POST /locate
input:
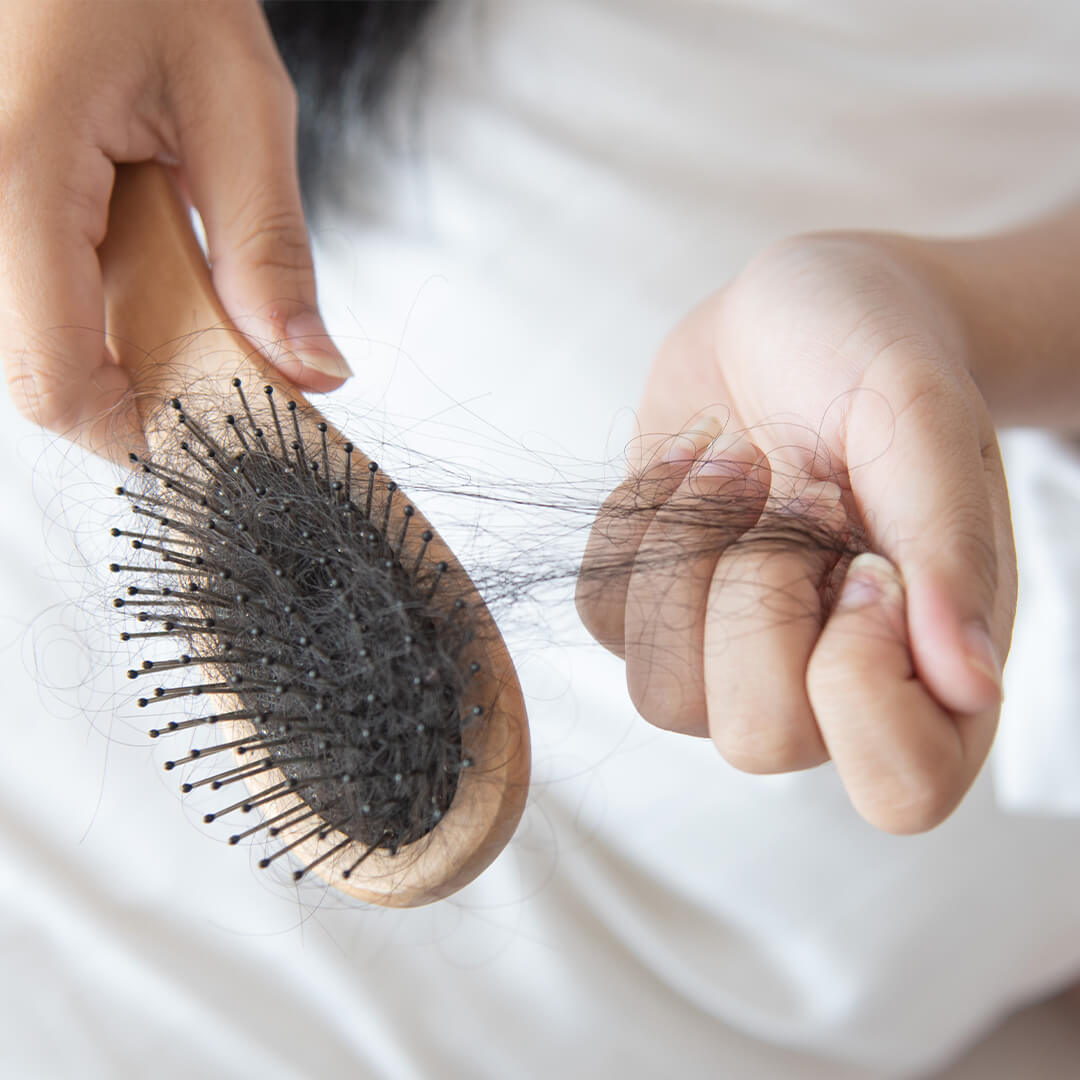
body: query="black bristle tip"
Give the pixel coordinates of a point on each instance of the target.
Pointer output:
(351, 644)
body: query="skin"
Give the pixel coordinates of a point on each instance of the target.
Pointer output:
(864, 373)
(879, 365)
(86, 85)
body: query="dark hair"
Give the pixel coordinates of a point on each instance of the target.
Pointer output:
(342, 56)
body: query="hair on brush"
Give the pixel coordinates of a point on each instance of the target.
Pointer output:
(365, 693)
(277, 569)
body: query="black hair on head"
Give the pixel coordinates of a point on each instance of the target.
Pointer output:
(342, 56)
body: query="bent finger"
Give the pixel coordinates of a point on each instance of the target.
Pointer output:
(668, 592)
(904, 759)
(764, 616)
(58, 369)
(620, 525)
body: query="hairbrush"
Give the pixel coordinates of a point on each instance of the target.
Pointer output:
(368, 715)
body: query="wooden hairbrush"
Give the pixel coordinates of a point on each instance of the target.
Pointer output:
(367, 699)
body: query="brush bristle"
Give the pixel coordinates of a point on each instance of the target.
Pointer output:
(280, 574)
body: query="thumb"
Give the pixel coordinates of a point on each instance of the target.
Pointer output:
(238, 150)
(935, 502)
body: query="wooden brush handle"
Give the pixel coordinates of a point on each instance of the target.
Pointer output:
(167, 327)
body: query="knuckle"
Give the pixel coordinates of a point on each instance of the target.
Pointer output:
(980, 549)
(275, 101)
(916, 808)
(41, 400)
(272, 238)
(905, 805)
(845, 668)
(601, 613)
(231, 58)
(970, 555)
(785, 743)
(665, 700)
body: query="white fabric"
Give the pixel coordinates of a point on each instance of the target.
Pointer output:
(1037, 752)
(577, 176)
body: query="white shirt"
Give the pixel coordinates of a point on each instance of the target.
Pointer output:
(575, 176)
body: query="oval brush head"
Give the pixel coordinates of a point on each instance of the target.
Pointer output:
(372, 713)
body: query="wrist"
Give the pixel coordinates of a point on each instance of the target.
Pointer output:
(1016, 299)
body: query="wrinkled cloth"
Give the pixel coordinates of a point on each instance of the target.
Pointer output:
(563, 183)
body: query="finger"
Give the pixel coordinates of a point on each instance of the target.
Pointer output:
(764, 616)
(668, 591)
(238, 148)
(621, 523)
(905, 761)
(57, 367)
(927, 498)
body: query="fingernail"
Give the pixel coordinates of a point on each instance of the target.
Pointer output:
(870, 579)
(688, 445)
(726, 455)
(307, 339)
(982, 656)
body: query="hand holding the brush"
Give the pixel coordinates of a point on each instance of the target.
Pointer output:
(84, 86)
(859, 379)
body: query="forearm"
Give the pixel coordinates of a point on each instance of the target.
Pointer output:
(1018, 296)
